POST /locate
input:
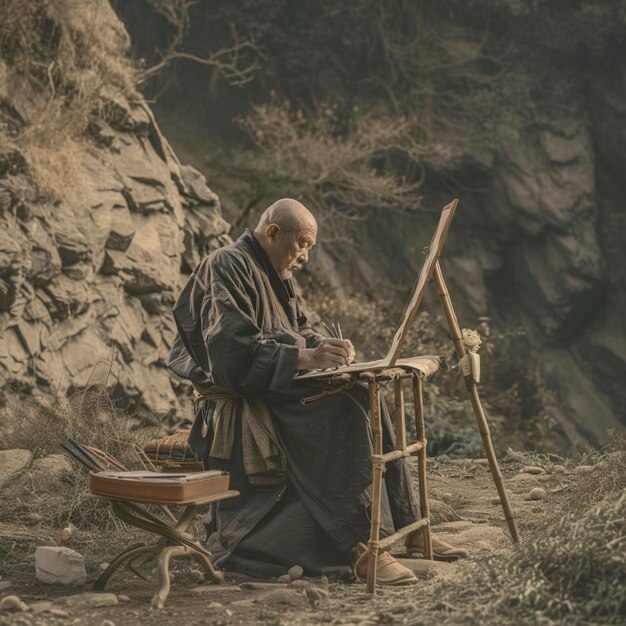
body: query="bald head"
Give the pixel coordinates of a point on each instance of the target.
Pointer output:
(290, 215)
(287, 231)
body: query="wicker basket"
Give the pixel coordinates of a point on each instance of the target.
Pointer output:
(173, 453)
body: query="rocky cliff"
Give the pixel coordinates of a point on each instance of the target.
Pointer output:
(88, 272)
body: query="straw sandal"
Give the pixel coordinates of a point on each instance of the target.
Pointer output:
(388, 570)
(442, 551)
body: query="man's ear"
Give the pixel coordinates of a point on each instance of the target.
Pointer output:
(271, 232)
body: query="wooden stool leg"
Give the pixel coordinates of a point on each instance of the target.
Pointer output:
(418, 400)
(164, 574)
(131, 553)
(378, 468)
(205, 561)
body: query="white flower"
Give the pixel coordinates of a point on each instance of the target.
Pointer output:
(471, 339)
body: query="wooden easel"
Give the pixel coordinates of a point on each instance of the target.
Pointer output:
(416, 370)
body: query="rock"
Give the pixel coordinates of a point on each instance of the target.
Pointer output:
(41, 607)
(558, 469)
(122, 230)
(472, 537)
(12, 462)
(13, 604)
(107, 622)
(89, 600)
(316, 596)
(123, 598)
(284, 579)
(533, 469)
(296, 572)
(301, 584)
(254, 586)
(537, 493)
(247, 603)
(202, 589)
(48, 474)
(523, 477)
(441, 512)
(58, 565)
(56, 612)
(583, 469)
(287, 597)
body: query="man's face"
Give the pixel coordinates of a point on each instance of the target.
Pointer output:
(289, 250)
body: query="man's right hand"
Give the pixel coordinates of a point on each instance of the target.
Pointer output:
(329, 353)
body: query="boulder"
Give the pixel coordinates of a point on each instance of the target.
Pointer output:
(12, 462)
(59, 566)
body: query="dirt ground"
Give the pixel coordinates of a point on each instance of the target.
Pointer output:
(465, 511)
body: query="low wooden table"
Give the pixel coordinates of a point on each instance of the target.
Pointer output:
(174, 540)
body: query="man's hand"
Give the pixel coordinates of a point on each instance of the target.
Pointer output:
(329, 353)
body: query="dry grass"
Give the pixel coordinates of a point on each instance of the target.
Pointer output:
(42, 503)
(64, 58)
(571, 568)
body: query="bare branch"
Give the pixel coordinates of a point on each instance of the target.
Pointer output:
(237, 62)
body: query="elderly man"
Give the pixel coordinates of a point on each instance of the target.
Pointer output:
(298, 452)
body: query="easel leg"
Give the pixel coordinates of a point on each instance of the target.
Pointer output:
(377, 433)
(418, 400)
(483, 426)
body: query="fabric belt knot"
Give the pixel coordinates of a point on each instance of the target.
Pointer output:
(263, 459)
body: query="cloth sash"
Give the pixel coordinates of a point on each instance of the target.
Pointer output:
(263, 459)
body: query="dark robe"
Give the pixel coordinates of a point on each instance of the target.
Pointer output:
(241, 326)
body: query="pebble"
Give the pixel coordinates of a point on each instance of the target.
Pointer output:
(123, 598)
(447, 496)
(247, 603)
(103, 566)
(409, 607)
(59, 612)
(533, 469)
(90, 600)
(288, 597)
(559, 469)
(295, 572)
(107, 622)
(13, 603)
(316, 596)
(41, 606)
(285, 579)
(537, 493)
(583, 469)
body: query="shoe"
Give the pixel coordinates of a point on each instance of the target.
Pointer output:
(388, 570)
(442, 551)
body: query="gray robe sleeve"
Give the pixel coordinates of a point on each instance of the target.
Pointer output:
(312, 338)
(240, 358)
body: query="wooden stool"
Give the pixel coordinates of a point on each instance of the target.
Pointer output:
(398, 375)
(174, 540)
